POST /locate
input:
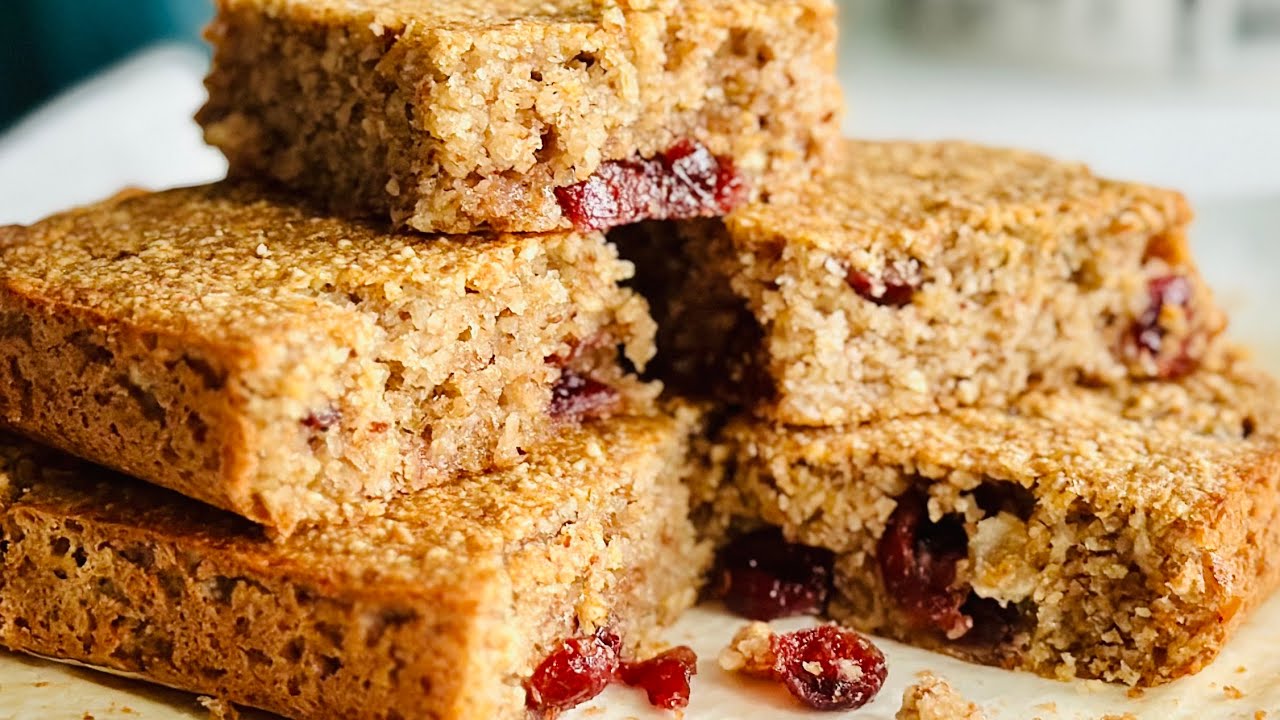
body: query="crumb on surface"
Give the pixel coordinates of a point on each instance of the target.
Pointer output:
(933, 698)
(750, 652)
(1232, 692)
(1136, 692)
(219, 708)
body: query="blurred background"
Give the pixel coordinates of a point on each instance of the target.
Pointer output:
(96, 94)
(46, 45)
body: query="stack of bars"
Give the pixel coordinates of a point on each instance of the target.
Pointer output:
(405, 432)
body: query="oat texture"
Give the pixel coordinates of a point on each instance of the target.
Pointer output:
(440, 608)
(236, 346)
(457, 115)
(933, 698)
(923, 277)
(1118, 533)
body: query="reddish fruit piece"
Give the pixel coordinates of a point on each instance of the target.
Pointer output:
(665, 678)
(577, 397)
(684, 182)
(1148, 334)
(764, 577)
(323, 420)
(918, 560)
(580, 669)
(896, 286)
(829, 667)
(995, 497)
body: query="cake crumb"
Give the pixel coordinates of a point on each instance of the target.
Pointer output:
(1135, 692)
(750, 652)
(1126, 716)
(1260, 715)
(40, 684)
(219, 708)
(1232, 692)
(933, 698)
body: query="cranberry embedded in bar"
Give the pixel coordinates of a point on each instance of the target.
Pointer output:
(527, 115)
(921, 277)
(1052, 535)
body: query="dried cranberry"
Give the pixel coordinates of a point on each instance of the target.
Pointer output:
(665, 678)
(577, 397)
(323, 420)
(829, 667)
(993, 624)
(764, 577)
(997, 496)
(918, 561)
(1148, 335)
(895, 287)
(686, 181)
(580, 669)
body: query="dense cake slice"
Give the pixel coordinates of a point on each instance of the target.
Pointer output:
(1116, 533)
(524, 115)
(247, 352)
(922, 277)
(441, 608)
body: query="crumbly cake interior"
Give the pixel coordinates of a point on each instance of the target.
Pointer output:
(240, 349)
(921, 277)
(456, 116)
(1115, 533)
(439, 608)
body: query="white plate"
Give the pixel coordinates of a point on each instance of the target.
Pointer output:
(132, 127)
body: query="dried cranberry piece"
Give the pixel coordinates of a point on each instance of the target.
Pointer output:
(918, 561)
(323, 420)
(580, 669)
(829, 667)
(997, 496)
(1148, 335)
(764, 577)
(895, 287)
(576, 397)
(684, 182)
(993, 624)
(665, 678)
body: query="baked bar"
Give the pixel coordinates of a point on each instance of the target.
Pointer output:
(524, 115)
(1117, 533)
(440, 608)
(245, 351)
(922, 277)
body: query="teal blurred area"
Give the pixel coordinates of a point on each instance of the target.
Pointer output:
(46, 45)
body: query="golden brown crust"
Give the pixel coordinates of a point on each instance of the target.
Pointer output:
(439, 608)
(453, 116)
(1150, 531)
(234, 345)
(922, 277)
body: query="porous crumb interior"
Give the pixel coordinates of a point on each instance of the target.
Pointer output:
(921, 277)
(239, 349)
(453, 117)
(1116, 534)
(439, 608)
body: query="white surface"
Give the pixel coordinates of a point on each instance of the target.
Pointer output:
(132, 127)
